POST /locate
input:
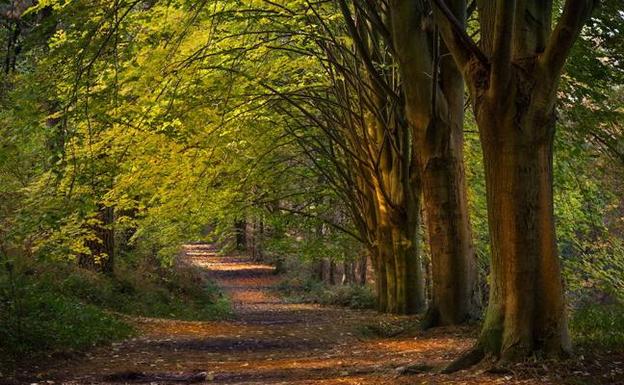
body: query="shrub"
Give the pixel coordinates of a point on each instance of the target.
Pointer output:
(35, 319)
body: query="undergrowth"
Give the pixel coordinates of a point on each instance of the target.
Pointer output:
(48, 308)
(598, 325)
(311, 291)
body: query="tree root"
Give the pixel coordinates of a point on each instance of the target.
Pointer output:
(429, 320)
(132, 376)
(413, 369)
(466, 360)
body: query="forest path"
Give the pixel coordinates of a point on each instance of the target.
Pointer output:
(269, 341)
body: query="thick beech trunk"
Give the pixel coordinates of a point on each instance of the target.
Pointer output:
(526, 310)
(434, 105)
(453, 268)
(513, 75)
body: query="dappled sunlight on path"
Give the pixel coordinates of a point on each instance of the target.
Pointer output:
(269, 341)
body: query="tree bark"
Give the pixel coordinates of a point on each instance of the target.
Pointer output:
(398, 247)
(526, 310)
(381, 282)
(453, 267)
(434, 92)
(332, 272)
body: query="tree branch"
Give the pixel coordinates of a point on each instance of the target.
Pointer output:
(575, 14)
(503, 36)
(462, 47)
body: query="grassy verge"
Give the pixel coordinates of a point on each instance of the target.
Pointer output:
(48, 308)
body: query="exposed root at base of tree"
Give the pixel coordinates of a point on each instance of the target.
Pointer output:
(414, 369)
(465, 361)
(429, 320)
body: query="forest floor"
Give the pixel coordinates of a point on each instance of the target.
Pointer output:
(270, 341)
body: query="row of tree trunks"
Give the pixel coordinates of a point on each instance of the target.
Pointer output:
(405, 129)
(331, 272)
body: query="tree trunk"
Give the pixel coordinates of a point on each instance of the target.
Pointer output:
(381, 282)
(101, 254)
(526, 310)
(108, 240)
(407, 253)
(332, 272)
(348, 276)
(453, 264)
(254, 234)
(362, 268)
(434, 92)
(240, 228)
(397, 240)
(318, 270)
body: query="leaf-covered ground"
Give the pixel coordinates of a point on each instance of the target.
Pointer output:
(269, 341)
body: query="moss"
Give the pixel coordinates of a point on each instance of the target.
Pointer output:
(491, 337)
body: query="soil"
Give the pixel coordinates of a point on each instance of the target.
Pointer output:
(271, 341)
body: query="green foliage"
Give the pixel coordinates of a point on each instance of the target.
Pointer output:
(597, 270)
(145, 291)
(50, 307)
(35, 318)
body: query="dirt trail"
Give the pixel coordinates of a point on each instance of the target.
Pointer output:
(268, 341)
